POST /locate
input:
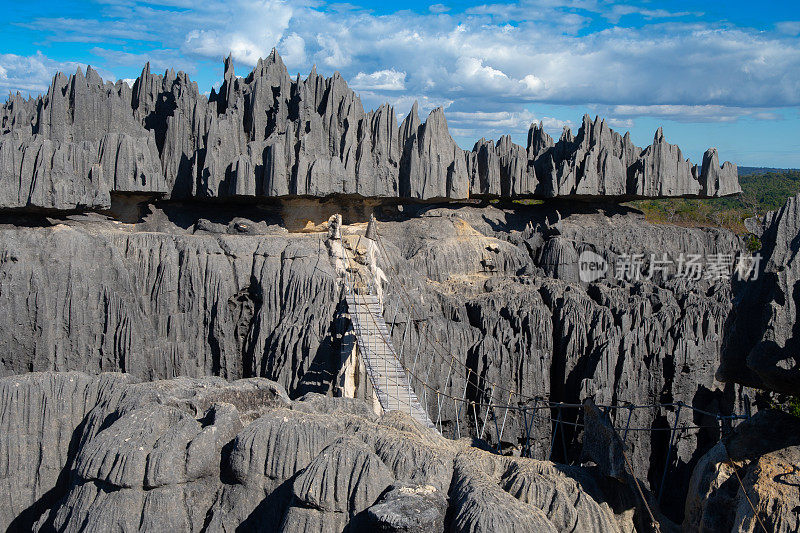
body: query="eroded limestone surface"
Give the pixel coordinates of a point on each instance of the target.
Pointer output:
(267, 135)
(231, 293)
(206, 454)
(762, 341)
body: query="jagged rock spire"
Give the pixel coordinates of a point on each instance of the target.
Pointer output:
(268, 134)
(372, 229)
(229, 73)
(410, 124)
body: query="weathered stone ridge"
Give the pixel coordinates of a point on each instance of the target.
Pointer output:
(71, 147)
(267, 135)
(762, 337)
(239, 298)
(211, 455)
(748, 481)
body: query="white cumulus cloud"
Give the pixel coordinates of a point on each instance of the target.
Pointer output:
(380, 80)
(691, 113)
(33, 74)
(489, 59)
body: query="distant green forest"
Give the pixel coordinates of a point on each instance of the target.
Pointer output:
(762, 190)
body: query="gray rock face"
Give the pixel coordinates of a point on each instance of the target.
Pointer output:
(155, 454)
(526, 495)
(433, 165)
(71, 147)
(761, 348)
(267, 135)
(765, 451)
(559, 259)
(661, 170)
(206, 307)
(503, 169)
(343, 480)
(159, 299)
(41, 415)
(192, 454)
(602, 443)
(595, 162)
(716, 180)
(406, 508)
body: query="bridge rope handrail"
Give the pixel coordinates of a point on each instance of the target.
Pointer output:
(411, 398)
(403, 293)
(526, 448)
(545, 404)
(541, 403)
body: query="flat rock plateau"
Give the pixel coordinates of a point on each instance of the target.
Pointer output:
(174, 335)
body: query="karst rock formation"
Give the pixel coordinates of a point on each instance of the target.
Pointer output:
(173, 322)
(268, 135)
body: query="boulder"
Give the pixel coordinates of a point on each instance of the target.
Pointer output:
(748, 481)
(405, 508)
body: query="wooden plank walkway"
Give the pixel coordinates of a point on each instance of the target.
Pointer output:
(388, 377)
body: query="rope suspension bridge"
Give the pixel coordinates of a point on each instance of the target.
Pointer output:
(397, 384)
(388, 376)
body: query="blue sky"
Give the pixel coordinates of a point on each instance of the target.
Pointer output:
(724, 74)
